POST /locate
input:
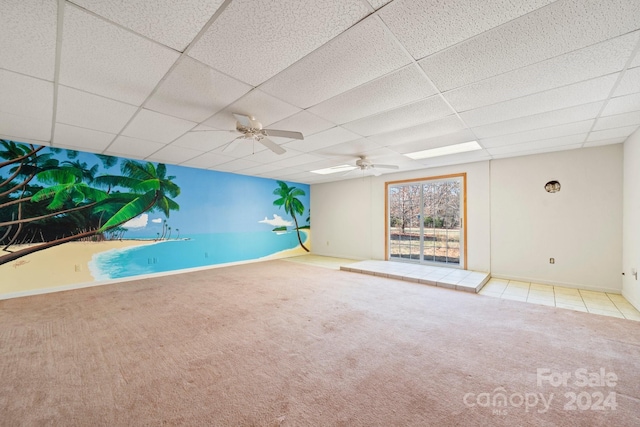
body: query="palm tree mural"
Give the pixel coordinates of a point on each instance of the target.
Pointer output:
(69, 202)
(288, 198)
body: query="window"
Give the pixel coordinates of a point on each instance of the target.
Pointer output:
(425, 220)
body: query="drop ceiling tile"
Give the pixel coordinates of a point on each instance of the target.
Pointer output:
(323, 139)
(560, 27)
(254, 40)
(538, 134)
(194, 91)
(355, 148)
(541, 120)
(604, 142)
(156, 127)
(19, 128)
(298, 162)
(168, 22)
(207, 160)
(26, 96)
(363, 53)
(262, 169)
(440, 127)
(555, 99)
(304, 122)
(236, 165)
(28, 42)
(401, 87)
(594, 61)
(636, 61)
(619, 120)
(107, 60)
(455, 159)
(265, 108)
(545, 144)
(76, 138)
(173, 154)
(537, 151)
(622, 132)
(91, 111)
(133, 148)
(462, 136)
(622, 104)
(425, 26)
(424, 111)
(205, 141)
(630, 82)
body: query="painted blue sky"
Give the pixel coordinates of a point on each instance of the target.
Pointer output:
(211, 201)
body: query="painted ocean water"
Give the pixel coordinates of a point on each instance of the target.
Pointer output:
(189, 252)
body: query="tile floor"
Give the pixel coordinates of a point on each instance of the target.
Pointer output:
(602, 303)
(573, 299)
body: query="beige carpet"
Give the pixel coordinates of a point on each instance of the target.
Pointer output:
(280, 343)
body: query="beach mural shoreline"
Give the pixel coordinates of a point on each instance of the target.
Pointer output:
(70, 217)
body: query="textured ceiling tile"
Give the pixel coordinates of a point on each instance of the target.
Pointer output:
(28, 42)
(636, 61)
(265, 108)
(107, 60)
(361, 54)
(542, 120)
(538, 134)
(156, 127)
(236, 165)
(622, 132)
(133, 148)
(630, 82)
(26, 96)
(207, 160)
(304, 122)
(323, 139)
(298, 161)
(428, 26)
(459, 137)
(194, 91)
(594, 61)
(391, 91)
(358, 147)
(617, 121)
(255, 39)
(555, 99)
(91, 111)
(205, 141)
(622, 104)
(377, 4)
(456, 159)
(440, 127)
(173, 155)
(604, 142)
(22, 127)
(172, 23)
(76, 138)
(560, 27)
(528, 147)
(534, 150)
(424, 111)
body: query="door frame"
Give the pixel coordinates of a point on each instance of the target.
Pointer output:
(463, 221)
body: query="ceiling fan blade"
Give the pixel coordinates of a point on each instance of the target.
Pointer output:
(283, 133)
(244, 120)
(386, 166)
(232, 145)
(272, 146)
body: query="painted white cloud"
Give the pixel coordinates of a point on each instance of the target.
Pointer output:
(137, 222)
(277, 221)
(157, 220)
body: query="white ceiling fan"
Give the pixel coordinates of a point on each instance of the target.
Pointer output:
(250, 128)
(363, 164)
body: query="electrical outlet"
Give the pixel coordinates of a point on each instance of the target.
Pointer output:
(552, 260)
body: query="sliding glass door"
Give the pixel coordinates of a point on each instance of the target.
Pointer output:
(425, 220)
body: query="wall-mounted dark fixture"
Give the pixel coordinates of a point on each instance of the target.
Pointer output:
(552, 186)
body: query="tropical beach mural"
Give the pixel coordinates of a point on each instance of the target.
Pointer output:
(70, 217)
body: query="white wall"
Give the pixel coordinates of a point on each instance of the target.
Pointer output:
(631, 219)
(580, 226)
(514, 225)
(350, 215)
